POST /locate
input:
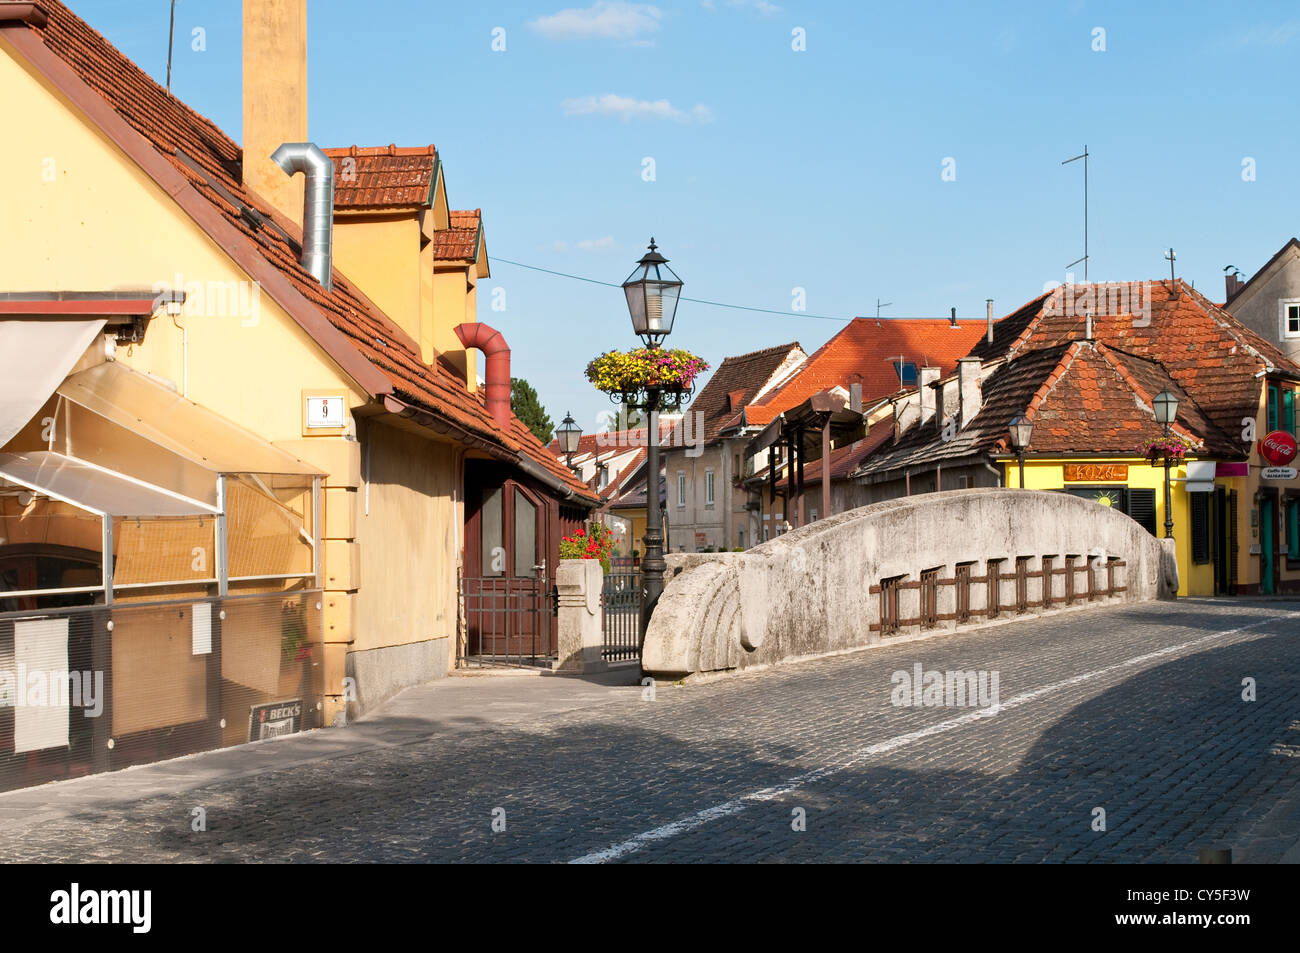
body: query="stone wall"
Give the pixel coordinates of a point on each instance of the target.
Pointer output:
(819, 589)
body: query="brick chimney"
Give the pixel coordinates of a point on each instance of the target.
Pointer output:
(1234, 284)
(275, 97)
(968, 378)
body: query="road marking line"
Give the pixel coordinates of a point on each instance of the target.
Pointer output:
(737, 805)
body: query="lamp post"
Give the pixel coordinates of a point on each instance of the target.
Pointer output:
(1166, 410)
(568, 434)
(1021, 429)
(652, 292)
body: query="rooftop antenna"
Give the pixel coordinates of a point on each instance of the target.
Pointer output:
(1084, 156)
(1171, 258)
(880, 305)
(171, 36)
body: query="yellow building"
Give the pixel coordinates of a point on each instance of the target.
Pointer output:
(232, 482)
(1086, 375)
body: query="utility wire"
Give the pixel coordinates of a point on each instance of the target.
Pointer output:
(715, 304)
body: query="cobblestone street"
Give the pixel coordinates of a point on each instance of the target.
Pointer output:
(1136, 710)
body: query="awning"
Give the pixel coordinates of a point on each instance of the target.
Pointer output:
(93, 488)
(165, 418)
(35, 357)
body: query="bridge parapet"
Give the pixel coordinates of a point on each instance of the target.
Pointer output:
(905, 568)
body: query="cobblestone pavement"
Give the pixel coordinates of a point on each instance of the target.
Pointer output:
(1135, 710)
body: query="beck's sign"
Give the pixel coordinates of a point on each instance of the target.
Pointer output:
(1278, 448)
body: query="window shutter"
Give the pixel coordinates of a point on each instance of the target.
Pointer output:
(1142, 507)
(1200, 509)
(1271, 418)
(1293, 529)
(1288, 411)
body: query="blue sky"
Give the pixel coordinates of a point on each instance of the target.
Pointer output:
(778, 169)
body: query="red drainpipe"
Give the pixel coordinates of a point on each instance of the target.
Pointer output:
(497, 374)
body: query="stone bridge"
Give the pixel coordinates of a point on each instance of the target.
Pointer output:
(905, 568)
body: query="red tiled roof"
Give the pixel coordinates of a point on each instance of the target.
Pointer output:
(870, 347)
(383, 177)
(163, 133)
(460, 241)
(734, 384)
(1212, 355)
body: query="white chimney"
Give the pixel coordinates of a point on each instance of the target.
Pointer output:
(927, 376)
(988, 313)
(968, 377)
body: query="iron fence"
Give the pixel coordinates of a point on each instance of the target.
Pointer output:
(620, 600)
(507, 621)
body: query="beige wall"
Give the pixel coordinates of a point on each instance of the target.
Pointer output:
(408, 528)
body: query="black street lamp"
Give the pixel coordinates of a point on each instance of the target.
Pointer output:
(1166, 410)
(652, 292)
(1021, 429)
(568, 434)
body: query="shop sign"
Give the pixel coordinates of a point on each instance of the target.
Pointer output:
(1278, 473)
(275, 719)
(1096, 472)
(1278, 448)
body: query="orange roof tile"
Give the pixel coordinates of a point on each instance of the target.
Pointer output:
(460, 241)
(383, 177)
(870, 348)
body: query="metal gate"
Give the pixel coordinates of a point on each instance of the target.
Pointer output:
(507, 621)
(620, 600)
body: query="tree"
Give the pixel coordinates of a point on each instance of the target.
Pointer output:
(528, 408)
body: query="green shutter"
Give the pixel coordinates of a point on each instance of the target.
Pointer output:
(1288, 411)
(1293, 529)
(1271, 423)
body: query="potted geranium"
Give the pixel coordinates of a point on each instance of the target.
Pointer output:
(592, 542)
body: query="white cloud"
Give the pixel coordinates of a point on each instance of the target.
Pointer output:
(605, 243)
(558, 247)
(627, 108)
(762, 6)
(604, 19)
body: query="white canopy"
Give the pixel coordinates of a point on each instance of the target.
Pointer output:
(93, 488)
(35, 357)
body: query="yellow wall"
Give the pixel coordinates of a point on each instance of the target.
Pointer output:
(453, 305)
(398, 528)
(381, 254)
(1049, 474)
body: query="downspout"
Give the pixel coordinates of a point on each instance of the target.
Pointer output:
(317, 205)
(995, 471)
(497, 374)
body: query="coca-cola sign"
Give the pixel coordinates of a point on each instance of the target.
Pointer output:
(1278, 448)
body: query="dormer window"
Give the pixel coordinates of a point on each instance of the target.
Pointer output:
(906, 371)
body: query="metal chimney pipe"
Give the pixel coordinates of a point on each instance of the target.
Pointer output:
(492, 343)
(952, 321)
(988, 312)
(317, 206)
